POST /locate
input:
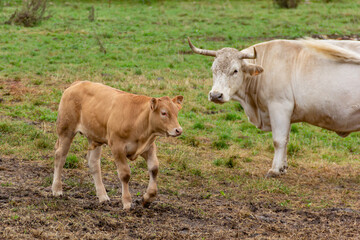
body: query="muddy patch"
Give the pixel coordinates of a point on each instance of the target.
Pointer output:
(28, 211)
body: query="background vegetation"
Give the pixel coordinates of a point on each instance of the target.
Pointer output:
(140, 47)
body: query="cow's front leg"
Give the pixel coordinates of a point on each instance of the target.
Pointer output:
(153, 168)
(93, 157)
(280, 126)
(123, 170)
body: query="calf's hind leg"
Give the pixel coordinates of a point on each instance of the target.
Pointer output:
(153, 168)
(62, 148)
(93, 157)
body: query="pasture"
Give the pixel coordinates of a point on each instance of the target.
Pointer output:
(211, 181)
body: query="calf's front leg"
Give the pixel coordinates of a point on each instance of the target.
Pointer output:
(93, 157)
(280, 126)
(153, 168)
(123, 170)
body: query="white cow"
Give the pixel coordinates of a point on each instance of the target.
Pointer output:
(289, 81)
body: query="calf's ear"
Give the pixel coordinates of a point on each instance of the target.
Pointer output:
(153, 104)
(178, 100)
(252, 69)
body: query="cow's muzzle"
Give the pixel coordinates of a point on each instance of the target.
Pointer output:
(175, 132)
(216, 97)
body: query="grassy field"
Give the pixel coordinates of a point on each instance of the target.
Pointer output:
(213, 175)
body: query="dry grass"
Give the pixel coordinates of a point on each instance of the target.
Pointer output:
(31, 14)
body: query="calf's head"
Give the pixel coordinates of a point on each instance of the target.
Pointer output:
(229, 69)
(163, 115)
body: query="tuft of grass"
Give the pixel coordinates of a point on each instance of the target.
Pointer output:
(190, 140)
(287, 3)
(6, 184)
(5, 127)
(232, 117)
(31, 14)
(196, 172)
(47, 181)
(293, 149)
(218, 162)
(230, 162)
(43, 143)
(72, 162)
(247, 160)
(199, 125)
(138, 71)
(220, 144)
(245, 142)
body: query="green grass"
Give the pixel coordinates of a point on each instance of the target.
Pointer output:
(72, 161)
(147, 53)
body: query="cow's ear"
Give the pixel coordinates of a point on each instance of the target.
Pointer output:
(252, 69)
(153, 104)
(178, 100)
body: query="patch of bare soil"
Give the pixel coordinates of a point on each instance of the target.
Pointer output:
(28, 211)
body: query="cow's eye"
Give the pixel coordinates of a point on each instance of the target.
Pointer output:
(163, 114)
(235, 71)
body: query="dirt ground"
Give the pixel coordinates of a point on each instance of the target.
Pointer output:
(28, 211)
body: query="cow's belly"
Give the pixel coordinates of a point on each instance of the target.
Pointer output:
(93, 134)
(342, 118)
(135, 148)
(338, 122)
(329, 97)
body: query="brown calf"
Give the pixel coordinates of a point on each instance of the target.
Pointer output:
(128, 123)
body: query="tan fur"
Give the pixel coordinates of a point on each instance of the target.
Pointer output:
(128, 123)
(331, 51)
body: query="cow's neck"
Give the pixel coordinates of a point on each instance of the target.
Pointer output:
(139, 143)
(247, 95)
(143, 127)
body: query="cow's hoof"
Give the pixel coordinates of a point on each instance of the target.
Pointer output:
(57, 193)
(145, 204)
(104, 198)
(272, 173)
(127, 206)
(283, 170)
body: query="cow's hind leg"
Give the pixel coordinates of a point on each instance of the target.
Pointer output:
(61, 150)
(93, 157)
(280, 126)
(153, 167)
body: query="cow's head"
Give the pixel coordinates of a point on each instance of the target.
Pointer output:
(163, 115)
(229, 69)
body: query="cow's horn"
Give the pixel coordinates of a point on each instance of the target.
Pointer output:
(201, 51)
(243, 55)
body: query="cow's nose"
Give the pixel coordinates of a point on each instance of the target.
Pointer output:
(216, 96)
(178, 131)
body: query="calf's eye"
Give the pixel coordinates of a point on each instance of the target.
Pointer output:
(163, 113)
(235, 71)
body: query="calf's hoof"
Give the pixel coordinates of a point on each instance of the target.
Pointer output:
(56, 189)
(145, 204)
(57, 194)
(104, 198)
(127, 206)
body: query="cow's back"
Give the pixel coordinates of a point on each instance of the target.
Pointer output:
(324, 86)
(91, 107)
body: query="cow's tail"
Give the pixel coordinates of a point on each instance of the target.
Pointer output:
(332, 51)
